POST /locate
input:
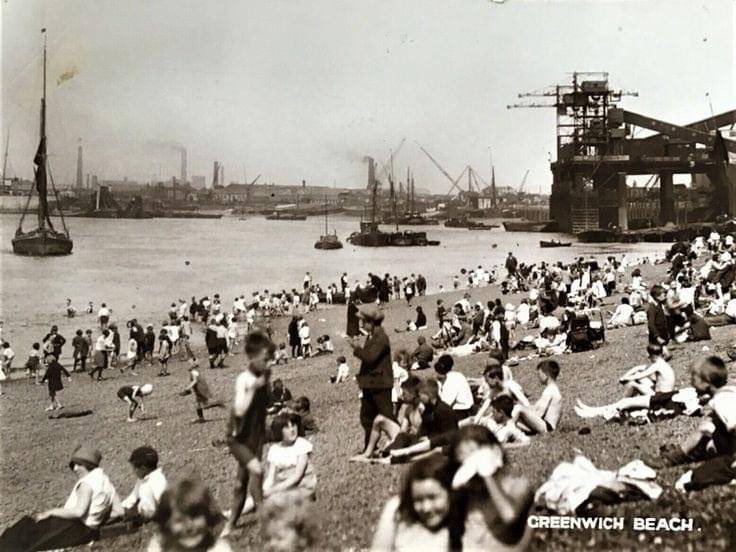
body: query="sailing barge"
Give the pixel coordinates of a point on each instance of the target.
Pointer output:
(44, 240)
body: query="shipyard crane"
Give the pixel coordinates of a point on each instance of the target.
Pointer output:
(454, 181)
(523, 181)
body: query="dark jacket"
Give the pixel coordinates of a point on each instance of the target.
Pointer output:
(657, 323)
(53, 376)
(375, 361)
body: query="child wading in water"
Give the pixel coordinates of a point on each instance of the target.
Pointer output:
(201, 390)
(247, 427)
(133, 395)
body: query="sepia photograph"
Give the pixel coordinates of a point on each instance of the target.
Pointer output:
(329, 275)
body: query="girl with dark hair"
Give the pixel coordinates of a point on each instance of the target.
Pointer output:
(419, 517)
(490, 508)
(187, 518)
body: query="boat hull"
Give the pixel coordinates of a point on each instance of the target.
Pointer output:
(42, 244)
(525, 226)
(554, 244)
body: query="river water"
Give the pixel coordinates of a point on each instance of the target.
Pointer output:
(138, 267)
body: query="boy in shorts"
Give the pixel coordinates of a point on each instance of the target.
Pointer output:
(201, 390)
(247, 426)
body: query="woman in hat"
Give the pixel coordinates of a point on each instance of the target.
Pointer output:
(93, 501)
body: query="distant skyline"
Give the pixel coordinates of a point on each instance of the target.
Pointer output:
(297, 90)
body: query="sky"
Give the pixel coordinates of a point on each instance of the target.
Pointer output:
(297, 89)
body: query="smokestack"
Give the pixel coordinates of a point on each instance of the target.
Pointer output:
(222, 175)
(304, 183)
(88, 181)
(79, 182)
(371, 174)
(183, 166)
(215, 174)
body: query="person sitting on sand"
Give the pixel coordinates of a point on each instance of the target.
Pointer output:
(501, 422)
(656, 377)
(623, 315)
(454, 388)
(143, 501)
(324, 346)
(93, 501)
(438, 423)
(421, 357)
(343, 370)
(707, 376)
(278, 397)
(288, 460)
(400, 433)
(544, 415)
(133, 396)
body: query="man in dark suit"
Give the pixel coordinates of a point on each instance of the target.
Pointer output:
(375, 377)
(657, 321)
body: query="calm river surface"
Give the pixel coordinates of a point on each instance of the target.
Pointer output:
(138, 267)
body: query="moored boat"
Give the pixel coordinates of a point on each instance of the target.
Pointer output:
(526, 226)
(554, 243)
(44, 240)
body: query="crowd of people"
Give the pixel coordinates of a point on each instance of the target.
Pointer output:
(415, 406)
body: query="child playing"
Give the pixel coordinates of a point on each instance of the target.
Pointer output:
(343, 371)
(201, 390)
(324, 346)
(142, 503)
(131, 356)
(281, 356)
(33, 362)
(53, 374)
(186, 519)
(133, 395)
(247, 427)
(7, 358)
(544, 415)
(497, 382)
(164, 352)
(657, 377)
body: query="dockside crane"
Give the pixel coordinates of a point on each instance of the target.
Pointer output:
(454, 181)
(523, 181)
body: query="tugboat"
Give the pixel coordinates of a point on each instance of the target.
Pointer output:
(45, 239)
(554, 243)
(328, 241)
(371, 236)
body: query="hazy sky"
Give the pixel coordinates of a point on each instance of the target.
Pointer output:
(299, 89)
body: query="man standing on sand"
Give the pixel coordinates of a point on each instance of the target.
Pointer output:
(511, 264)
(375, 377)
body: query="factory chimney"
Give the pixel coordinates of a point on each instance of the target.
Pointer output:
(215, 174)
(183, 176)
(79, 182)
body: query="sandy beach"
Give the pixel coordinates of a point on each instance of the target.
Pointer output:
(350, 496)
